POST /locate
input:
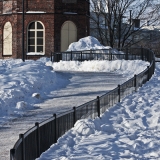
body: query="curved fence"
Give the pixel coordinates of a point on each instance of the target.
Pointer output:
(38, 139)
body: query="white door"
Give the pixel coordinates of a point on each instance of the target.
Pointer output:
(68, 34)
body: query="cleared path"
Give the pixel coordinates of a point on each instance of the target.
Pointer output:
(80, 88)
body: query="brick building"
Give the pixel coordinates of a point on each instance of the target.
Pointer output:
(49, 25)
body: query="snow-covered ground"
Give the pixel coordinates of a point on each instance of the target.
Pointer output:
(25, 84)
(33, 90)
(48, 91)
(129, 130)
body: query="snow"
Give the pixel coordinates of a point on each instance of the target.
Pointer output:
(35, 12)
(119, 66)
(18, 82)
(151, 27)
(86, 43)
(24, 84)
(32, 91)
(129, 130)
(35, 53)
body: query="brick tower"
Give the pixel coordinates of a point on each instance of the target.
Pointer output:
(49, 25)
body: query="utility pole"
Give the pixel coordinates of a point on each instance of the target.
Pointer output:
(130, 20)
(23, 54)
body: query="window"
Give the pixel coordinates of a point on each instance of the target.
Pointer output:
(36, 37)
(7, 7)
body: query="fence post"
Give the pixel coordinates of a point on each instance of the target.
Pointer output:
(71, 55)
(142, 53)
(51, 56)
(12, 154)
(109, 55)
(153, 68)
(98, 106)
(147, 54)
(135, 82)
(150, 55)
(119, 93)
(148, 71)
(21, 136)
(126, 54)
(74, 116)
(38, 139)
(81, 56)
(55, 128)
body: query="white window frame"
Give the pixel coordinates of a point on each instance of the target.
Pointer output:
(35, 31)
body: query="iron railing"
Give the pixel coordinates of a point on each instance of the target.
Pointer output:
(38, 139)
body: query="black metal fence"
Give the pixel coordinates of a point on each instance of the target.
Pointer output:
(102, 54)
(38, 139)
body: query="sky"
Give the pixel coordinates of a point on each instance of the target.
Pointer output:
(34, 89)
(135, 7)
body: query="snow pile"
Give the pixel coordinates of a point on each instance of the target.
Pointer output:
(129, 130)
(23, 84)
(84, 127)
(86, 43)
(125, 67)
(151, 27)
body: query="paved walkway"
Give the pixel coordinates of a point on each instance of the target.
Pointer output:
(80, 88)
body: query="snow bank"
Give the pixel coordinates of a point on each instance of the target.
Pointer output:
(86, 43)
(21, 83)
(129, 130)
(125, 67)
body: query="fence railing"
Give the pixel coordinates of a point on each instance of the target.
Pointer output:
(38, 139)
(102, 54)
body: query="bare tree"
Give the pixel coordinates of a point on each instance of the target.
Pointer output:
(115, 21)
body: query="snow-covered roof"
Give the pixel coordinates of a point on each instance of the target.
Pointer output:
(35, 12)
(151, 27)
(35, 53)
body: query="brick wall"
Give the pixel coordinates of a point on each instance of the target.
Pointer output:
(52, 19)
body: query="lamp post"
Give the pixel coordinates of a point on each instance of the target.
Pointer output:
(23, 55)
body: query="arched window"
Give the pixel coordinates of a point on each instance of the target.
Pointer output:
(36, 37)
(7, 39)
(68, 34)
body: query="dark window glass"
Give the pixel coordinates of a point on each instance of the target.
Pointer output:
(39, 33)
(39, 25)
(32, 25)
(31, 41)
(31, 34)
(39, 48)
(35, 36)
(31, 48)
(39, 41)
